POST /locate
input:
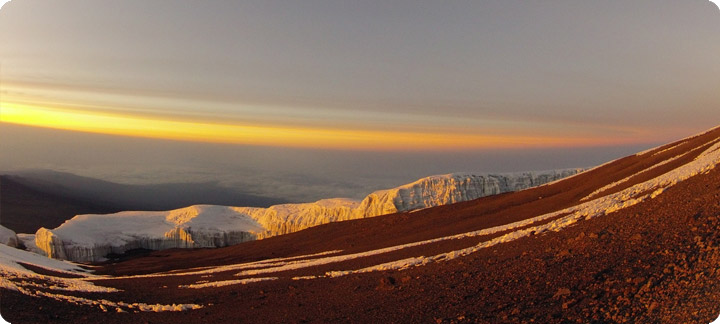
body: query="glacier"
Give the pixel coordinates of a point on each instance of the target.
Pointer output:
(90, 238)
(8, 237)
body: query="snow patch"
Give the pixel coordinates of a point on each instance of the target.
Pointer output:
(626, 179)
(13, 276)
(207, 272)
(226, 283)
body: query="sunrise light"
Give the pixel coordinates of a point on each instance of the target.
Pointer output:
(273, 135)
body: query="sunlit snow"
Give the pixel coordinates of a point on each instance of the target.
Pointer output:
(89, 238)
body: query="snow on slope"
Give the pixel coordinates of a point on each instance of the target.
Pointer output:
(89, 238)
(8, 237)
(708, 160)
(538, 225)
(13, 276)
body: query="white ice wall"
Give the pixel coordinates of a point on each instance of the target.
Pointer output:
(89, 238)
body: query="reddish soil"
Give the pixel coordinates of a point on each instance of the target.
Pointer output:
(655, 262)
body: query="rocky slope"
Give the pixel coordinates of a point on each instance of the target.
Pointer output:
(90, 238)
(632, 241)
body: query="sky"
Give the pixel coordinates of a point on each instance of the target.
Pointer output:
(311, 99)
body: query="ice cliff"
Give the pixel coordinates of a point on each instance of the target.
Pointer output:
(89, 238)
(8, 237)
(451, 188)
(288, 218)
(426, 192)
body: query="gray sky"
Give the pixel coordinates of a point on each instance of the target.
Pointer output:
(408, 88)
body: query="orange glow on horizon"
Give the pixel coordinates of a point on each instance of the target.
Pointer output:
(302, 137)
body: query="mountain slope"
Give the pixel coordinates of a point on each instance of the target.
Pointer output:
(154, 197)
(25, 209)
(634, 240)
(465, 217)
